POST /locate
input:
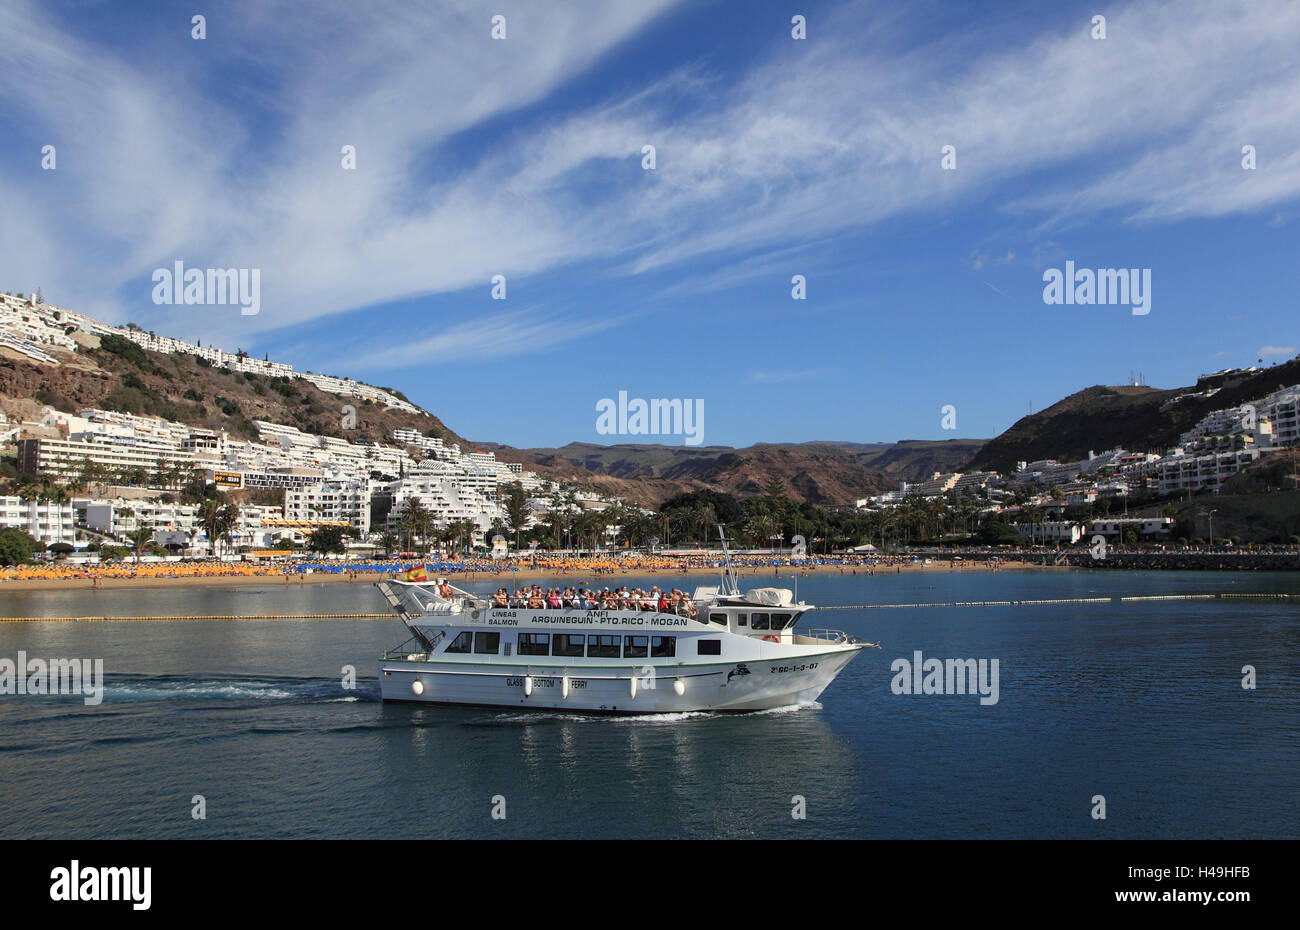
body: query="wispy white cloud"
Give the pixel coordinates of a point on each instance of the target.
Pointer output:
(528, 331)
(839, 132)
(1274, 351)
(980, 259)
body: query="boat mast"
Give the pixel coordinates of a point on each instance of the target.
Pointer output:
(729, 584)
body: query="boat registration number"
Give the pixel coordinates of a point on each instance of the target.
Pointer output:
(793, 668)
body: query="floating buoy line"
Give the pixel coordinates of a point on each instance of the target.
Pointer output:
(918, 606)
(1116, 599)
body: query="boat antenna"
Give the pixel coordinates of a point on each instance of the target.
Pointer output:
(729, 583)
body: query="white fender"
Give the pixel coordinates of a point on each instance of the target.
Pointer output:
(417, 687)
(633, 685)
(564, 686)
(528, 686)
(679, 687)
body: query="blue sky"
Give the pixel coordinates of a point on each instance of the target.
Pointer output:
(774, 157)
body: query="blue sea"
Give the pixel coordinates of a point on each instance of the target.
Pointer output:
(1141, 704)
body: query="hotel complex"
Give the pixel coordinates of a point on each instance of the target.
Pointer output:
(325, 481)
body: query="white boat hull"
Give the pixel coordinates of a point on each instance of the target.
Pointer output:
(728, 686)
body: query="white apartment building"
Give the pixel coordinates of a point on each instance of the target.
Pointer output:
(66, 457)
(118, 516)
(1181, 472)
(34, 325)
(937, 485)
(340, 501)
(1079, 494)
(44, 521)
(1051, 532)
(1145, 526)
(1281, 410)
(446, 501)
(237, 479)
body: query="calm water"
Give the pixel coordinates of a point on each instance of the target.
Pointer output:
(1142, 704)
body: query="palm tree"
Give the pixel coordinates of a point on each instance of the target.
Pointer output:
(415, 520)
(139, 537)
(703, 516)
(591, 525)
(389, 542)
(228, 519)
(210, 517)
(461, 530)
(517, 511)
(758, 528)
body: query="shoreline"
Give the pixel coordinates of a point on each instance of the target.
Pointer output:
(592, 579)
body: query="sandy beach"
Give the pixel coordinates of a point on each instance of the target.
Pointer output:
(508, 577)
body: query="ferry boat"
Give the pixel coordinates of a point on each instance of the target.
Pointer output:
(724, 651)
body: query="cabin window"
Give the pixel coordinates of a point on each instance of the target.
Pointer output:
(487, 644)
(663, 647)
(780, 621)
(708, 647)
(461, 643)
(636, 647)
(760, 622)
(568, 644)
(534, 644)
(602, 646)
(742, 620)
(719, 619)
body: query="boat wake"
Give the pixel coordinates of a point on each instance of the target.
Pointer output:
(120, 689)
(541, 716)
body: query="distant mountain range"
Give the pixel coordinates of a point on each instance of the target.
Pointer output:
(819, 472)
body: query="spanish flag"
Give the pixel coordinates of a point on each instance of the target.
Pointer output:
(417, 574)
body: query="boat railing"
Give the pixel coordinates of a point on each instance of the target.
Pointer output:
(828, 636)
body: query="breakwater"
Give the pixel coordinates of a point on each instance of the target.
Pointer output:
(1188, 561)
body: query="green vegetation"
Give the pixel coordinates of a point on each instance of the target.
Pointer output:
(16, 547)
(396, 393)
(517, 510)
(132, 354)
(326, 539)
(140, 539)
(125, 349)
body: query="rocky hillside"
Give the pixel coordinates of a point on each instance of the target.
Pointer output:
(119, 375)
(1138, 418)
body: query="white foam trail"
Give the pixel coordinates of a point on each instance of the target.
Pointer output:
(196, 690)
